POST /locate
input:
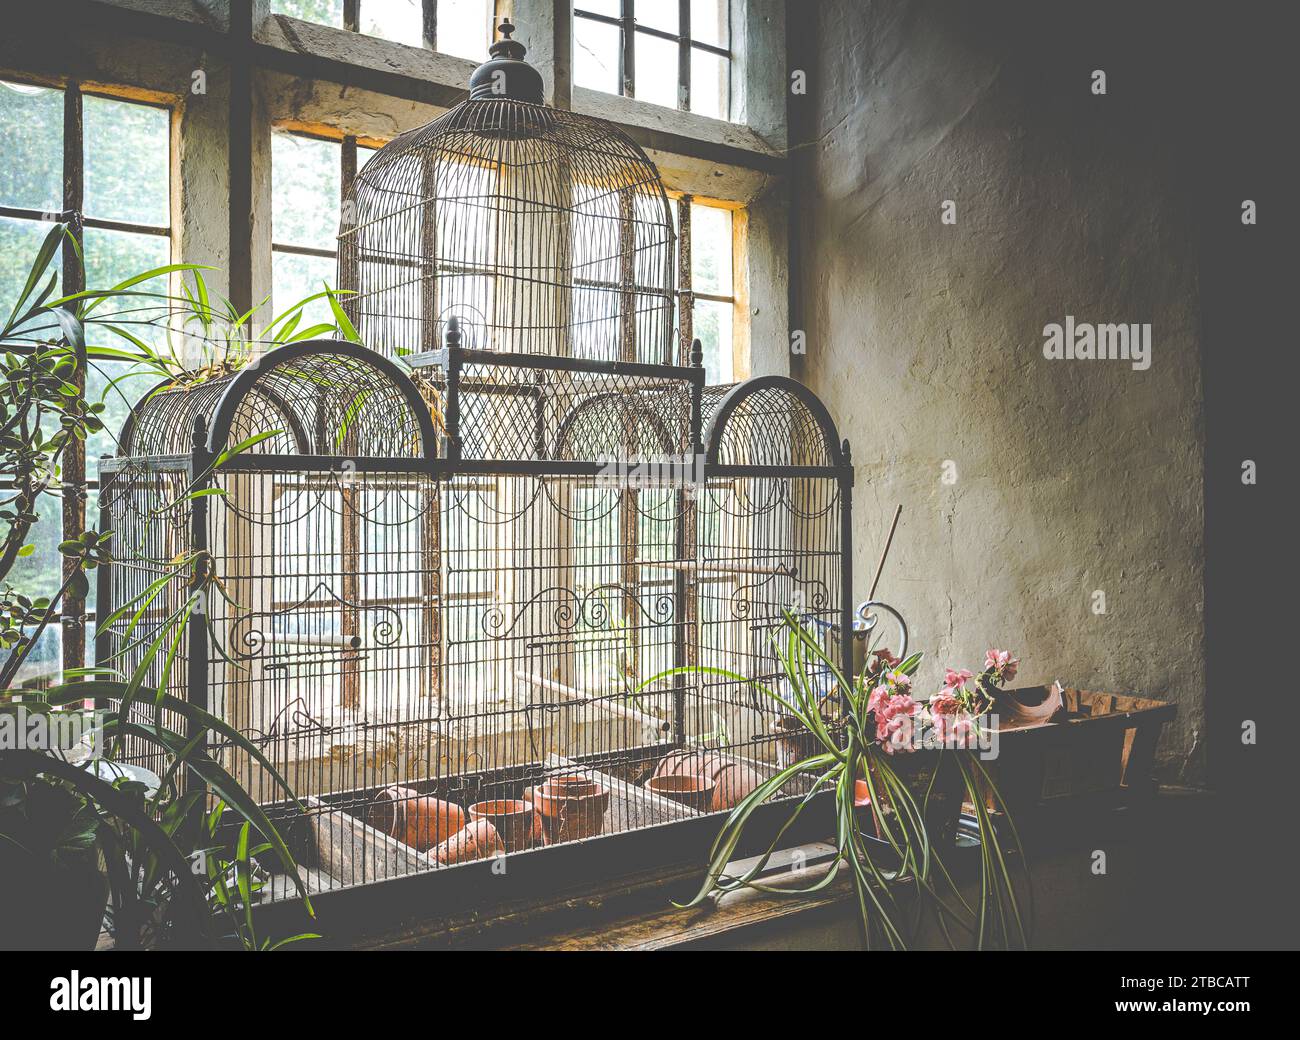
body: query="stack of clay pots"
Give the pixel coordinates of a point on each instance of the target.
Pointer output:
(434, 825)
(563, 808)
(570, 808)
(730, 779)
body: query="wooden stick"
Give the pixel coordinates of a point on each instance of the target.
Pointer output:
(888, 542)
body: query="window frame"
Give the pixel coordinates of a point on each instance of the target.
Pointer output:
(628, 27)
(351, 22)
(75, 486)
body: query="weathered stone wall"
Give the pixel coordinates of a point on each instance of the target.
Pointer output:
(926, 339)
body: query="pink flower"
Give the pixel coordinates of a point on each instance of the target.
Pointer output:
(944, 702)
(953, 678)
(900, 705)
(883, 658)
(898, 734)
(890, 684)
(954, 730)
(1002, 664)
(899, 679)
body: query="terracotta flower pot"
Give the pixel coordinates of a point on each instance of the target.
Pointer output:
(476, 840)
(570, 808)
(732, 780)
(689, 789)
(515, 821)
(419, 820)
(862, 808)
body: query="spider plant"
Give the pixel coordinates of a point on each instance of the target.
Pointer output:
(901, 872)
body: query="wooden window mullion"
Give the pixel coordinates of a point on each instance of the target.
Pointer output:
(429, 23)
(627, 57)
(684, 55)
(685, 297)
(73, 462)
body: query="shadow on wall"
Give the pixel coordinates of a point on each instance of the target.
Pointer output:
(966, 180)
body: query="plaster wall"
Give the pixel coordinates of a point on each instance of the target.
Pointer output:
(926, 339)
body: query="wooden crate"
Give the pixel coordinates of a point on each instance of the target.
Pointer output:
(1101, 751)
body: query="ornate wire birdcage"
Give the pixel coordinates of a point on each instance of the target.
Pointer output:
(476, 598)
(539, 230)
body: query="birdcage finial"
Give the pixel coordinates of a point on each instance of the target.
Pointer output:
(506, 75)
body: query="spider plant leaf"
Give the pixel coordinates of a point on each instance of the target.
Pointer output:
(39, 263)
(345, 325)
(243, 445)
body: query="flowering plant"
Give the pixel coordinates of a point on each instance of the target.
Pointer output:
(951, 716)
(887, 832)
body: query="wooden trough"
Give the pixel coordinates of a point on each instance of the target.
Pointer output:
(1099, 750)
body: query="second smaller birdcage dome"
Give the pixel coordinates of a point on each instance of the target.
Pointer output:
(541, 231)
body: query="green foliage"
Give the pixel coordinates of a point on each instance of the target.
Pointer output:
(145, 841)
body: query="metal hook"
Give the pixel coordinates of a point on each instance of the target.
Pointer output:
(867, 622)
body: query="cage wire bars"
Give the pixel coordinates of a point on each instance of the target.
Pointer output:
(438, 588)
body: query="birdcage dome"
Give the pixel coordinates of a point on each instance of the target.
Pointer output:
(541, 231)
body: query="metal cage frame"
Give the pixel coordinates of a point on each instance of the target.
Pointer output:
(755, 443)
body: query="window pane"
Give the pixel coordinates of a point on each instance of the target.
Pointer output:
(127, 161)
(305, 176)
(709, 21)
(31, 126)
(19, 241)
(465, 28)
(710, 84)
(659, 14)
(656, 70)
(295, 277)
(44, 666)
(596, 48)
(609, 8)
(112, 257)
(712, 322)
(325, 12)
(40, 573)
(711, 250)
(401, 21)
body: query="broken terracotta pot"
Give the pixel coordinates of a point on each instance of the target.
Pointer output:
(419, 820)
(1027, 706)
(515, 821)
(476, 840)
(732, 780)
(570, 807)
(692, 791)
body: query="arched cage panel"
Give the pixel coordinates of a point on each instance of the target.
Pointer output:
(321, 397)
(162, 422)
(540, 231)
(771, 421)
(326, 397)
